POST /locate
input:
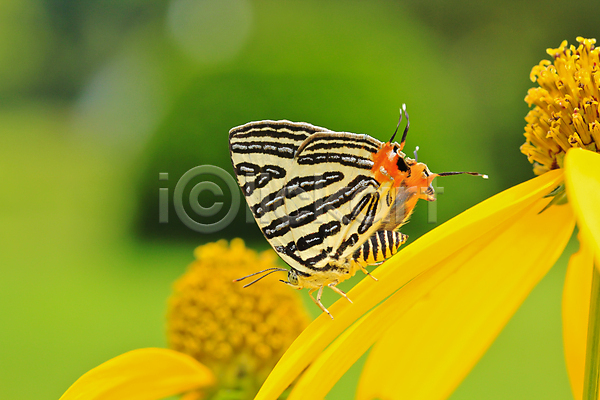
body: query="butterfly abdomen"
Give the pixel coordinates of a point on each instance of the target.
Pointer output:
(379, 247)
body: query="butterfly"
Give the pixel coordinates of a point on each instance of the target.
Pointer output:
(329, 203)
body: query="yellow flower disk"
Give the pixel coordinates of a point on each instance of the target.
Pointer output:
(566, 105)
(240, 333)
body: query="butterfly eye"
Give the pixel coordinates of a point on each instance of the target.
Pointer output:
(401, 164)
(293, 277)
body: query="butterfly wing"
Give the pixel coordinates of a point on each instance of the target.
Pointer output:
(262, 154)
(342, 205)
(311, 190)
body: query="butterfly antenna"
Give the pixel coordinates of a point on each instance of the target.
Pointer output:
(462, 172)
(272, 269)
(415, 152)
(405, 129)
(265, 275)
(397, 126)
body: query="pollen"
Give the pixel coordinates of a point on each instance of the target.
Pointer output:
(566, 105)
(240, 333)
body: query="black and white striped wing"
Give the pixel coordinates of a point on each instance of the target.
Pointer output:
(345, 205)
(311, 190)
(262, 154)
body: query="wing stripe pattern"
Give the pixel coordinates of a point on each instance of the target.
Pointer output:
(317, 238)
(266, 147)
(293, 188)
(351, 241)
(276, 129)
(342, 140)
(269, 131)
(264, 175)
(352, 154)
(357, 210)
(248, 162)
(349, 141)
(249, 169)
(310, 212)
(334, 145)
(311, 192)
(369, 218)
(292, 251)
(366, 249)
(347, 160)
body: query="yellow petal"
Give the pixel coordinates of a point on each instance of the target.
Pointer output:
(143, 374)
(443, 321)
(582, 178)
(429, 351)
(575, 313)
(415, 260)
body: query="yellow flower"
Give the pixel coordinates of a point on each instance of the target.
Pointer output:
(566, 106)
(237, 332)
(441, 302)
(143, 374)
(225, 338)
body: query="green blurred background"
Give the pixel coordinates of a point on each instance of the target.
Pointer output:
(99, 97)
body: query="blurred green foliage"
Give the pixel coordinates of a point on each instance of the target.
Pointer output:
(98, 97)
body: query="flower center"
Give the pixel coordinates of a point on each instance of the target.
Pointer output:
(566, 105)
(239, 333)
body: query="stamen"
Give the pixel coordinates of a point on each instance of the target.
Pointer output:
(565, 113)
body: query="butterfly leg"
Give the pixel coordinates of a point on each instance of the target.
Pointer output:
(318, 300)
(339, 291)
(362, 267)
